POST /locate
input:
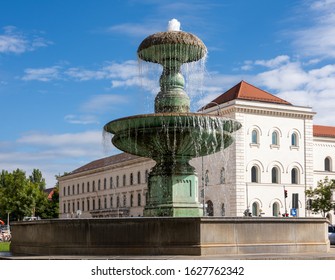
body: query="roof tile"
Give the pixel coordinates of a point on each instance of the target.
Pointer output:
(323, 131)
(245, 91)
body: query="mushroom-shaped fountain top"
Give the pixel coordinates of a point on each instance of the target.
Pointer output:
(173, 44)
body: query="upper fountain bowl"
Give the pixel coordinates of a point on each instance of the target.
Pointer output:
(165, 47)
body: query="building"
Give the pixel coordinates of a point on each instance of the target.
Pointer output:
(278, 152)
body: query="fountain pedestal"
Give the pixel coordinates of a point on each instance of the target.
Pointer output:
(173, 191)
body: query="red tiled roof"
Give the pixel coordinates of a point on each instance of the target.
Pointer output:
(104, 162)
(324, 131)
(245, 91)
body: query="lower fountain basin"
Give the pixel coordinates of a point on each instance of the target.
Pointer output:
(187, 135)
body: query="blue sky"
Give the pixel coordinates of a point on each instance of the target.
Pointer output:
(69, 67)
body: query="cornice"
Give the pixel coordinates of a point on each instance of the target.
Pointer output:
(267, 112)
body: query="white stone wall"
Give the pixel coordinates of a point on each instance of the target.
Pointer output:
(73, 201)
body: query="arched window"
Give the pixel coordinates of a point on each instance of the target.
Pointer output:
(254, 137)
(111, 182)
(210, 208)
(223, 210)
(111, 202)
(138, 199)
(105, 183)
(274, 175)
(124, 180)
(93, 186)
(275, 209)
(255, 209)
(117, 181)
(131, 179)
(88, 186)
(131, 200)
(275, 140)
(294, 176)
(82, 187)
(117, 201)
(77, 188)
(327, 164)
(223, 176)
(64, 191)
(206, 178)
(88, 205)
(138, 177)
(64, 208)
(83, 205)
(294, 139)
(99, 184)
(105, 202)
(99, 203)
(124, 200)
(254, 174)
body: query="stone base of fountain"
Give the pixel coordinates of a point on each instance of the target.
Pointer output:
(170, 236)
(178, 198)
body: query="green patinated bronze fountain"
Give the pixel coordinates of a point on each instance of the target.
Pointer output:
(172, 136)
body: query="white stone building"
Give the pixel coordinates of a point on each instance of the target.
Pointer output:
(278, 150)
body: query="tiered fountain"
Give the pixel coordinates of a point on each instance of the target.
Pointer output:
(172, 136)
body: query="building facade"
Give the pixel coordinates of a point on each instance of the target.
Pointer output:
(277, 154)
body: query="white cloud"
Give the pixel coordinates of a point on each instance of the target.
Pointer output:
(42, 74)
(286, 77)
(73, 139)
(103, 102)
(12, 41)
(54, 154)
(317, 39)
(125, 70)
(272, 63)
(82, 119)
(85, 75)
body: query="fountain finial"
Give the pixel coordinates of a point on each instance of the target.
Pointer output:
(173, 25)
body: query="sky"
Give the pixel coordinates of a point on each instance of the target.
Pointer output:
(68, 67)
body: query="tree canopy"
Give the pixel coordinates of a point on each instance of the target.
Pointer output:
(22, 196)
(321, 197)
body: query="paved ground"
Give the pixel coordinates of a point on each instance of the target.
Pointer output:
(307, 256)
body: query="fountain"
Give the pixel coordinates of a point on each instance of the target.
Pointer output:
(172, 225)
(172, 136)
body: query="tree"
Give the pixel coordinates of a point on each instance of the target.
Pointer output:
(321, 197)
(13, 197)
(37, 178)
(21, 196)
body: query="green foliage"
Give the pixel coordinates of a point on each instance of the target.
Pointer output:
(4, 246)
(21, 196)
(321, 197)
